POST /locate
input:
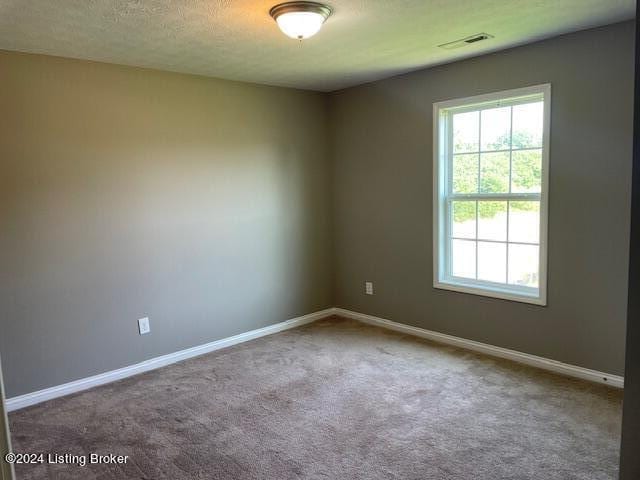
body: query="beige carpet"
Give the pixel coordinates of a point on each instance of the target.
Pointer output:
(333, 400)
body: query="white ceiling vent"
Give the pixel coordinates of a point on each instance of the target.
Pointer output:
(478, 37)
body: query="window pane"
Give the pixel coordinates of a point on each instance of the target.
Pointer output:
(527, 125)
(494, 172)
(492, 262)
(524, 222)
(492, 220)
(464, 219)
(465, 173)
(466, 132)
(464, 258)
(523, 265)
(496, 128)
(526, 171)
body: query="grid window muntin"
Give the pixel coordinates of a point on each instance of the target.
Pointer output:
(444, 197)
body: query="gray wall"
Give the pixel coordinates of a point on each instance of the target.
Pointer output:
(382, 170)
(630, 444)
(125, 192)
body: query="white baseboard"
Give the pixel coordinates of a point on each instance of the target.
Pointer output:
(16, 403)
(525, 358)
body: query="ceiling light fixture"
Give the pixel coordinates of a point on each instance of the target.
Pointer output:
(300, 20)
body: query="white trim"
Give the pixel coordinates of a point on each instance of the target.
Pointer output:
(514, 94)
(519, 357)
(544, 192)
(39, 396)
(492, 292)
(442, 276)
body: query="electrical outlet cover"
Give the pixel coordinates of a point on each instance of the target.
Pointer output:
(143, 325)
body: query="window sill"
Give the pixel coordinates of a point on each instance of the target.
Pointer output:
(491, 292)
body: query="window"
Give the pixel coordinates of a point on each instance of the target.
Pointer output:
(491, 168)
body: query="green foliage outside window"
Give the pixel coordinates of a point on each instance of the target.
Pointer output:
(526, 177)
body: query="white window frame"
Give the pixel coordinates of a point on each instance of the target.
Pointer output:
(442, 157)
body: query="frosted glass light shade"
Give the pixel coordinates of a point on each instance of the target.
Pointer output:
(300, 20)
(300, 25)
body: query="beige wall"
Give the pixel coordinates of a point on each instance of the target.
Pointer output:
(382, 162)
(127, 192)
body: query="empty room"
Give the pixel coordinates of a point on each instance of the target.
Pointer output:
(345, 239)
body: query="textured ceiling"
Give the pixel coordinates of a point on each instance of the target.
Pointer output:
(363, 40)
